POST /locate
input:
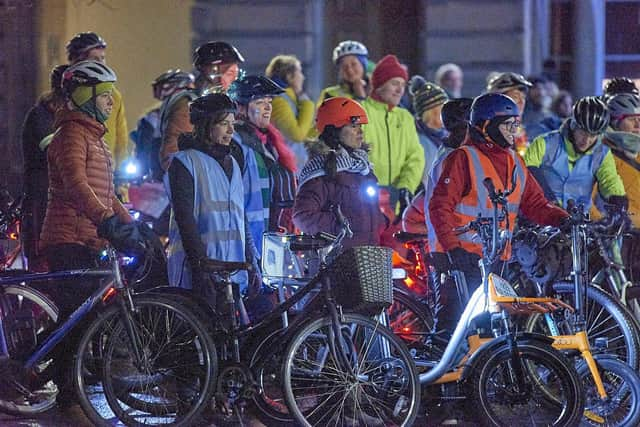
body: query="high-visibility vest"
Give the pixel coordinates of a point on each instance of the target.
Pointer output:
(477, 202)
(218, 208)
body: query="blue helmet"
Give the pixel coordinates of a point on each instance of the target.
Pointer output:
(251, 87)
(491, 105)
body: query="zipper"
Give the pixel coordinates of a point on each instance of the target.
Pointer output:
(386, 123)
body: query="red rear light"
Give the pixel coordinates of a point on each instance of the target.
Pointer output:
(409, 282)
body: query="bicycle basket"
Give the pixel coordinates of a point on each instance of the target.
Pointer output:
(290, 256)
(361, 279)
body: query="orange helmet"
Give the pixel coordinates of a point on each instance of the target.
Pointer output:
(339, 112)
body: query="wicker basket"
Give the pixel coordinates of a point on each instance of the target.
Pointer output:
(361, 279)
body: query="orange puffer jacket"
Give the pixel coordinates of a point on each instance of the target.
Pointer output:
(81, 192)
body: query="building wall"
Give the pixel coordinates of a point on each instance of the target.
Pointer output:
(144, 37)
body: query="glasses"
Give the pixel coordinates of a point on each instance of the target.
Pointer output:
(511, 125)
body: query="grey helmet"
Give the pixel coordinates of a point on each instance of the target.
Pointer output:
(505, 82)
(623, 104)
(86, 73)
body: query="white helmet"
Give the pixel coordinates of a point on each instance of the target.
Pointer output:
(86, 73)
(349, 47)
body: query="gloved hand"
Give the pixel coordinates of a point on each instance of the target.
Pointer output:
(462, 259)
(618, 203)
(124, 237)
(404, 198)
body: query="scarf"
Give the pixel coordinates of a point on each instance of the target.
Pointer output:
(271, 135)
(624, 141)
(356, 161)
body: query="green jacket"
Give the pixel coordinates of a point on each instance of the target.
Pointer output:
(606, 176)
(396, 153)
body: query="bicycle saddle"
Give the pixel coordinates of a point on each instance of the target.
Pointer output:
(404, 237)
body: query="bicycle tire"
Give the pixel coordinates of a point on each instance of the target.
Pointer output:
(381, 391)
(622, 385)
(488, 385)
(624, 343)
(168, 331)
(44, 315)
(409, 319)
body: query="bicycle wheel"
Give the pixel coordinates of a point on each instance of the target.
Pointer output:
(27, 318)
(490, 387)
(174, 378)
(622, 384)
(606, 319)
(366, 378)
(409, 319)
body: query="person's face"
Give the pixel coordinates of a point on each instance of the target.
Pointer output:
(452, 82)
(563, 109)
(583, 141)
(432, 117)
(104, 103)
(518, 97)
(351, 135)
(98, 54)
(391, 92)
(630, 124)
(539, 96)
(296, 79)
(350, 69)
(223, 74)
(259, 112)
(509, 129)
(221, 132)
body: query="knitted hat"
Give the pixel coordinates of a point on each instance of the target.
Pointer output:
(386, 69)
(426, 95)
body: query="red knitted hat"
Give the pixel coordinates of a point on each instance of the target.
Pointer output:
(386, 69)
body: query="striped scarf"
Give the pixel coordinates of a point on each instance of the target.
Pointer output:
(356, 161)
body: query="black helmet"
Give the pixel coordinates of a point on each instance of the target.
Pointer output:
(55, 78)
(456, 112)
(621, 85)
(505, 82)
(216, 53)
(170, 81)
(251, 87)
(82, 43)
(86, 73)
(204, 107)
(591, 115)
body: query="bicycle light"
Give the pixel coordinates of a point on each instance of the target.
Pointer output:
(371, 191)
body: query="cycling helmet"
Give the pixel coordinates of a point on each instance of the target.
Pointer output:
(216, 53)
(621, 85)
(349, 47)
(339, 112)
(86, 73)
(426, 95)
(170, 81)
(505, 82)
(492, 105)
(204, 107)
(591, 115)
(456, 112)
(623, 104)
(251, 87)
(82, 43)
(55, 78)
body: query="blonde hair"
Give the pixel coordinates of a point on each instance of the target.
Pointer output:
(281, 66)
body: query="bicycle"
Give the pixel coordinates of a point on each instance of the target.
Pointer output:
(126, 329)
(253, 357)
(495, 369)
(10, 226)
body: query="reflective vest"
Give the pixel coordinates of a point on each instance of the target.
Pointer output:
(477, 202)
(577, 183)
(298, 148)
(218, 211)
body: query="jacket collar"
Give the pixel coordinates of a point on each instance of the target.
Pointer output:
(380, 104)
(65, 115)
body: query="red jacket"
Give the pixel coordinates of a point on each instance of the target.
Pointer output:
(454, 184)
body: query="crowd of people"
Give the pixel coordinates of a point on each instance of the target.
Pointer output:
(241, 155)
